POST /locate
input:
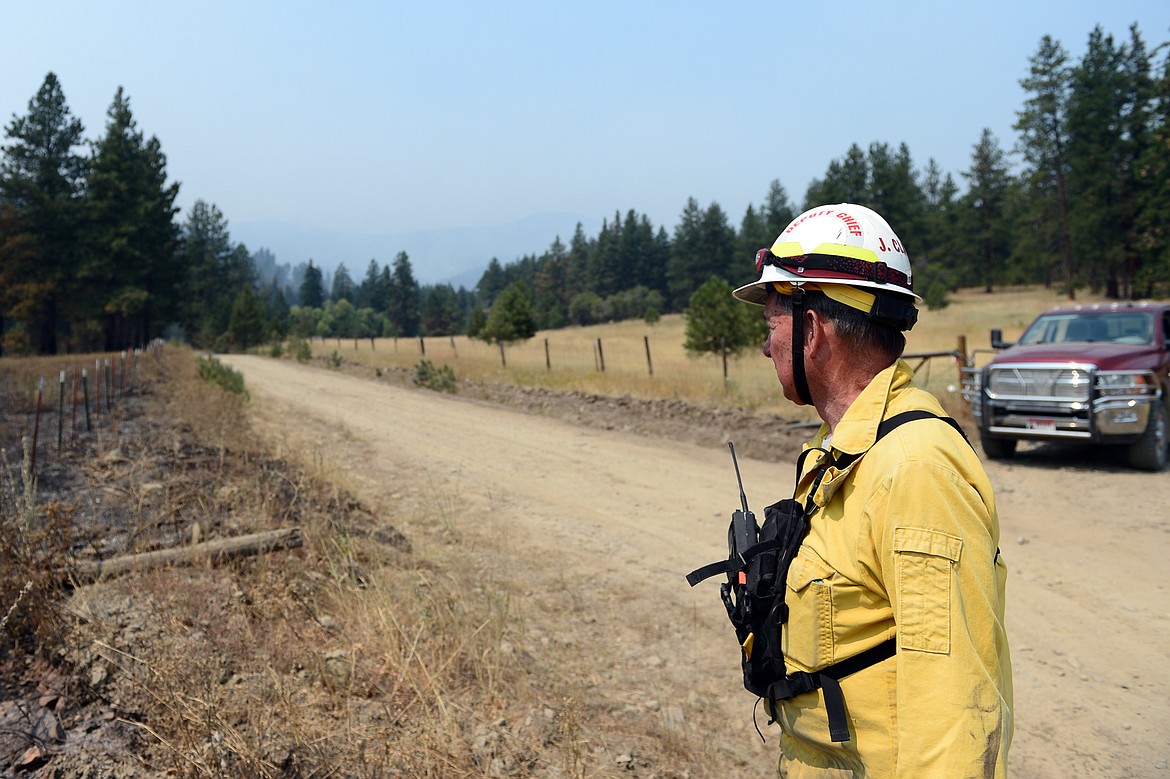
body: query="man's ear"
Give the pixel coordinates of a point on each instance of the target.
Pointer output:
(815, 333)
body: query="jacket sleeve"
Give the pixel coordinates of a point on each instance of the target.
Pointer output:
(937, 542)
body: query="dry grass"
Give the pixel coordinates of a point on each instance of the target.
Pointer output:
(573, 361)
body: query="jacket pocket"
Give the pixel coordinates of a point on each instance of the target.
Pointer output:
(924, 560)
(808, 637)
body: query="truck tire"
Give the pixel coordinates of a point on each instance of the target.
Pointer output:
(1149, 452)
(997, 448)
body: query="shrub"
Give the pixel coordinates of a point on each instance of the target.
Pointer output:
(224, 376)
(335, 360)
(299, 348)
(936, 296)
(438, 379)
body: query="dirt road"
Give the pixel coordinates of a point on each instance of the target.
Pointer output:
(612, 515)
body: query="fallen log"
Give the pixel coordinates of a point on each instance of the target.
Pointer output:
(85, 571)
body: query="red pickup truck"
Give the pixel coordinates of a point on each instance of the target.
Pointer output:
(1095, 373)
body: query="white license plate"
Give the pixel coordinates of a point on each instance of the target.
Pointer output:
(1048, 425)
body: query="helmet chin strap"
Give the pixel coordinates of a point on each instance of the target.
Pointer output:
(798, 376)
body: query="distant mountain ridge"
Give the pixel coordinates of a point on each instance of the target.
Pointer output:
(456, 256)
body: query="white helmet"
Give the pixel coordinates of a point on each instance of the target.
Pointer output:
(834, 248)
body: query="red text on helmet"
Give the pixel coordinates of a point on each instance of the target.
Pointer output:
(850, 223)
(809, 215)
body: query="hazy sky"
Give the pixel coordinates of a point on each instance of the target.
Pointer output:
(391, 117)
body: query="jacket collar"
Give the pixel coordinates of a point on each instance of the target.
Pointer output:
(857, 430)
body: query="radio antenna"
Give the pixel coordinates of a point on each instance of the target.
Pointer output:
(738, 478)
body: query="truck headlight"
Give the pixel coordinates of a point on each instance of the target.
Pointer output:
(1121, 383)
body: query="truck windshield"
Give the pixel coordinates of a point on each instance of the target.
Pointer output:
(1126, 327)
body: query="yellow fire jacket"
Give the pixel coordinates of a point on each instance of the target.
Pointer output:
(904, 545)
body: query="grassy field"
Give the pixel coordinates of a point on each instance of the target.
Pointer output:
(572, 360)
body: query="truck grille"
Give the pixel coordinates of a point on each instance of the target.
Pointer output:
(1067, 382)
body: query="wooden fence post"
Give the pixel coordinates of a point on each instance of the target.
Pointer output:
(649, 363)
(600, 356)
(36, 426)
(85, 392)
(547, 358)
(73, 415)
(61, 414)
(503, 360)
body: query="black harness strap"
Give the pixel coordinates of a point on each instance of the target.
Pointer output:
(826, 680)
(890, 423)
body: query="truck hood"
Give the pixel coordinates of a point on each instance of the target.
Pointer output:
(1107, 356)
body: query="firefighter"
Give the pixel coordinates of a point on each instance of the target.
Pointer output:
(901, 557)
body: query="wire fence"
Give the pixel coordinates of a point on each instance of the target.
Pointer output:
(47, 404)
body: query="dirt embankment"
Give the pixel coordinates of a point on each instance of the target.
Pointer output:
(620, 507)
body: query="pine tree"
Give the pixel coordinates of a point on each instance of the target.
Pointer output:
(986, 200)
(687, 268)
(213, 273)
(277, 308)
(1107, 114)
(938, 251)
(577, 263)
(404, 304)
(1151, 228)
(369, 293)
(491, 283)
(343, 287)
(846, 181)
(312, 291)
(1042, 125)
(42, 179)
(716, 321)
(247, 323)
(777, 212)
(550, 288)
(129, 273)
(894, 190)
(440, 310)
(605, 267)
(21, 293)
(510, 318)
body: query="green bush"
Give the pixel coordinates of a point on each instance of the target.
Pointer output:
(936, 296)
(335, 360)
(224, 376)
(438, 379)
(275, 350)
(299, 348)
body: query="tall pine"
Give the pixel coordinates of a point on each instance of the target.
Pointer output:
(128, 271)
(42, 181)
(1043, 142)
